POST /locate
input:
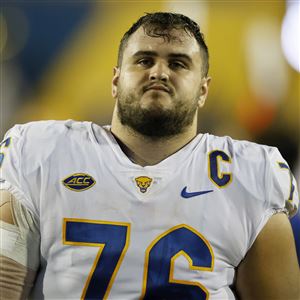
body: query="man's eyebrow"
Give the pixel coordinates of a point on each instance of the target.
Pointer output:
(145, 53)
(181, 55)
(171, 55)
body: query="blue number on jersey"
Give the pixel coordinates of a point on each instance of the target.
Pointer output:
(159, 282)
(113, 240)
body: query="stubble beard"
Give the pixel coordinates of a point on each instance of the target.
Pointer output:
(155, 123)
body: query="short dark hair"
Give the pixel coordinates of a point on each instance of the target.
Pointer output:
(159, 24)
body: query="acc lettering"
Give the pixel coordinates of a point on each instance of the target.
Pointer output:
(217, 157)
(80, 180)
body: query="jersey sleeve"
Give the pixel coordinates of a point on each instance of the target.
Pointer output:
(11, 167)
(280, 185)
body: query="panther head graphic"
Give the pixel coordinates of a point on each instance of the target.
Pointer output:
(143, 183)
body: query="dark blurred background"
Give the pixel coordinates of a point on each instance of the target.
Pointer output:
(57, 59)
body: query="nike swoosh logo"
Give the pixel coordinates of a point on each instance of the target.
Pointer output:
(186, 194)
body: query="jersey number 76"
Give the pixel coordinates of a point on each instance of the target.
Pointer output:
(158, 283)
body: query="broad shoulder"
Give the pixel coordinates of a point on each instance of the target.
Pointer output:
(240, 149)
(38, 140)
(46, 129)
(47, 134)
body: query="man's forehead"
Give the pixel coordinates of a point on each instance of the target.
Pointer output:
(178, 38)
(175, 35)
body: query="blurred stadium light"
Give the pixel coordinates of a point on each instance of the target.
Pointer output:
(290, 34)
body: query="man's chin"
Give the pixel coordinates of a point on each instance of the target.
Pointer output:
(154, 124)
(160, 103)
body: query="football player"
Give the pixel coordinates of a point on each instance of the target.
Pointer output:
(146, 208)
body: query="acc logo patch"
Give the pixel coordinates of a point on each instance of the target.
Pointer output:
(143, 183)
(79, 182)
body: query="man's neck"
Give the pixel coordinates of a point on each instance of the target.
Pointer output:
(146, 151)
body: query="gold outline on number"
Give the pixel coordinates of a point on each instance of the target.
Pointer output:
(101, 245)
(171, 278)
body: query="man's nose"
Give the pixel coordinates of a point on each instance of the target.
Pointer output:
(159, 71)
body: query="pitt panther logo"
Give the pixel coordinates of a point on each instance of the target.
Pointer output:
(143, 183)
(79, 182)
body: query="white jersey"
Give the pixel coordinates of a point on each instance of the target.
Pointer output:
(111, 229)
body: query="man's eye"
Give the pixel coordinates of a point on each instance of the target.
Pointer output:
(145, 62)
(177, 65)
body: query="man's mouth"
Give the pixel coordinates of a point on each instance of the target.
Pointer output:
(157, 87)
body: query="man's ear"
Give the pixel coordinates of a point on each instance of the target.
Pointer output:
(204, 91)
(115, 79)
